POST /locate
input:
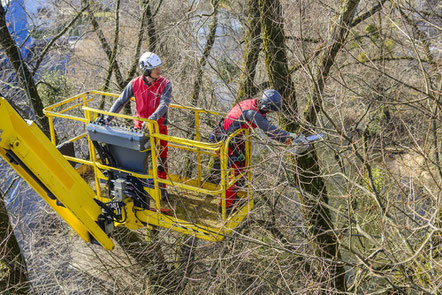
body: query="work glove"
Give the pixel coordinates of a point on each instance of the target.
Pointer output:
(300, 140)
(290, 139)
(300, 145)
(145, 127)
(103, 120)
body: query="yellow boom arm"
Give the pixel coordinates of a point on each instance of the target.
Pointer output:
(27, 149)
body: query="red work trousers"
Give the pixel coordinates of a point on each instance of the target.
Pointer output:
(162, 167)
(162, 155)
(237, 162)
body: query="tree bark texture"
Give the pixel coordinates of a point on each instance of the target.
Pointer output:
(150, 26)
(148, 255)
(105, 45)
(110, 68)
(275, 55)
(21, 69)
(313, 190)
(189, 166)
(152, 35)
(252, 48)
(13, 275)
(318, 218)
(338, 35)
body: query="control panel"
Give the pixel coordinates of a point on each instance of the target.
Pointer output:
(118, 135)
(127, 147)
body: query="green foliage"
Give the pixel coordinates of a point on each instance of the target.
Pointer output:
(354, 44)
(53, 86)
(4, 273)
(371, 29)
(227, 70)
(378, 179)
(226, 4)
(389, 45)
(363, 57)
(378, 120)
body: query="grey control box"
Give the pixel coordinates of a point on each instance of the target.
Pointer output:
(130, 138)
(127, 146)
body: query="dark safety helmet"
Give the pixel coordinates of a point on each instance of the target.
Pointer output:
(270, 101)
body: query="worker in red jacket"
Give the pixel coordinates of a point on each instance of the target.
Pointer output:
(152, 94)
(248, 114)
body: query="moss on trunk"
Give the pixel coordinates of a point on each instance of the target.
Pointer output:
(252, 48)
(275, 55)
(13, 275)
(310, 180)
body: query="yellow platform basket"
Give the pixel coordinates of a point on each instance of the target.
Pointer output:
(193, 204)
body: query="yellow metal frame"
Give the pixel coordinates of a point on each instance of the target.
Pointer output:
(136, 217)
(27, 149)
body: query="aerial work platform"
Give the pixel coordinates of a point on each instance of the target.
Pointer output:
(123, 188)
(27, 149)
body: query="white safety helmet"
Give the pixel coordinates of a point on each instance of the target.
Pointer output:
(148, 62)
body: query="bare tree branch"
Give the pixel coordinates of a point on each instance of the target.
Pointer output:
(44, 52)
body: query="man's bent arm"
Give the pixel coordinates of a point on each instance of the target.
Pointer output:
(122, 100)
(164, 103)
(270, 130)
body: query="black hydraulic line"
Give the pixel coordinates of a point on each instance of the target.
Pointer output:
(108, 210)
(16, 160)
(104, 153)
(110, 207)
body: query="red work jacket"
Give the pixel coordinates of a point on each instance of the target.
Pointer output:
(236, 112)
(147, 98)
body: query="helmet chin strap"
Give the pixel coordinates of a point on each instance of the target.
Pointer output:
(148, 73)
(259, 107)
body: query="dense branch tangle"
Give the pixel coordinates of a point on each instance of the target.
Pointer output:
(360, 212)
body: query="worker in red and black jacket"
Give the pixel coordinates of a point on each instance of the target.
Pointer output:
(152, 94)
(248, 114)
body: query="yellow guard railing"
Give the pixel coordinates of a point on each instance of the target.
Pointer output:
(84, 109)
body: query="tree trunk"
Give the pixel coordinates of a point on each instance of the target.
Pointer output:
(113, 59)
(150, 25)
(272, 27)
(189, 165)
(145, 21)
(105, 45)
(14, 280)
(207, 49)
(22, 70)
(339, 32)
(148, 255)
(313, 195)
(252, 47)
(152, 35)
(313, 189)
